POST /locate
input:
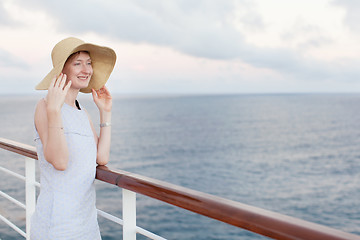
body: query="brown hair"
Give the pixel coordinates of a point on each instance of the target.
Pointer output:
(75, 53)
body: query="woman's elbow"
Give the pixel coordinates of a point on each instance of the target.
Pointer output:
(102, 160)
(60, 167)
(59, 163)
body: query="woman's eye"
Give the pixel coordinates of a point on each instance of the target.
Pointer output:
(89, 63)
(77, 64)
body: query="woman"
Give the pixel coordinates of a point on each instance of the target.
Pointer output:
(67, 145)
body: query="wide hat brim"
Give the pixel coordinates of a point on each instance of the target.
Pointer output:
(102, 60)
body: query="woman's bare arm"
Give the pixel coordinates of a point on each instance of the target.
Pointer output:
(48, 123)
(103, 101)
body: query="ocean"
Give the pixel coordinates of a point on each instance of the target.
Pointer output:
(296, 154)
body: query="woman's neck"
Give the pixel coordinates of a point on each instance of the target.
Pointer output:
(71, 97)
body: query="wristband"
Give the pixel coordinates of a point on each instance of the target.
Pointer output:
(105, 124)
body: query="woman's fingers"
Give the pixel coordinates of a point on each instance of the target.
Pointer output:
(106, 90)
(66, 88)
(99, 93)
(103, 91)
(62, 81)
(52, 83)
(57, 91)
(59, 82)
(93, 93)
(102, 99)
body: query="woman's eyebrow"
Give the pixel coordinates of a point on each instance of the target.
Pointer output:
(80, 60)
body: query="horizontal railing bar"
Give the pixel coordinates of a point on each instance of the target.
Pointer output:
(264, 222)
(254, 219)
(12, 173)
(11, 199)
(20, 148)
(37, 184)
(121, 222)
(110, 217)
(13, 226)
(148, 234)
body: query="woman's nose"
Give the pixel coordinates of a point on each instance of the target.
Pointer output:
(86, 69)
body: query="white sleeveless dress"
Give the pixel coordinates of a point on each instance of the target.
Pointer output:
(66, 205)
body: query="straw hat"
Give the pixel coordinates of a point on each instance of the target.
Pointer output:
(102, 61)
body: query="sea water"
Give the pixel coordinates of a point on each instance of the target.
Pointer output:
(296, 154)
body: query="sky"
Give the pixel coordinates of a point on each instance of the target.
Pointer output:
(190, 47)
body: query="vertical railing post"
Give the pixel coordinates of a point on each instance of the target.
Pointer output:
(129, 214)
(30, 192)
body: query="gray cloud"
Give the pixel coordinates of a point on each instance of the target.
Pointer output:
(4, 17)
(352, 8)
(199, 28)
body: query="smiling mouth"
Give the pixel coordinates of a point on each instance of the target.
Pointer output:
(83, 78)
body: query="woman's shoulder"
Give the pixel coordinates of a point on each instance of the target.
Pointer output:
(40, 116)
(40, 109)
(41, 105)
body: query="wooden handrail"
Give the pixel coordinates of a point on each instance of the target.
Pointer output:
(260, 221)
(20, 148)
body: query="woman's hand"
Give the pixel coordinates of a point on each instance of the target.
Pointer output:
(102, 99)
(57, 92)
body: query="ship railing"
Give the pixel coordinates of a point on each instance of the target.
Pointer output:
(257, 220)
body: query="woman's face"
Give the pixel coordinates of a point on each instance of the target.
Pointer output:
(79, 70)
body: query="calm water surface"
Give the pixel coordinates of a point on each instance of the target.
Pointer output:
(297, 154)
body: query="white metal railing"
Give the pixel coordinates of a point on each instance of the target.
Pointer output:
(30, 195)
(129, 206)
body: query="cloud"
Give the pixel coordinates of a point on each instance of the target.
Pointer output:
(204, 29)
(352, 17)
(9, 60)
(4, 16)
(200, 29)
